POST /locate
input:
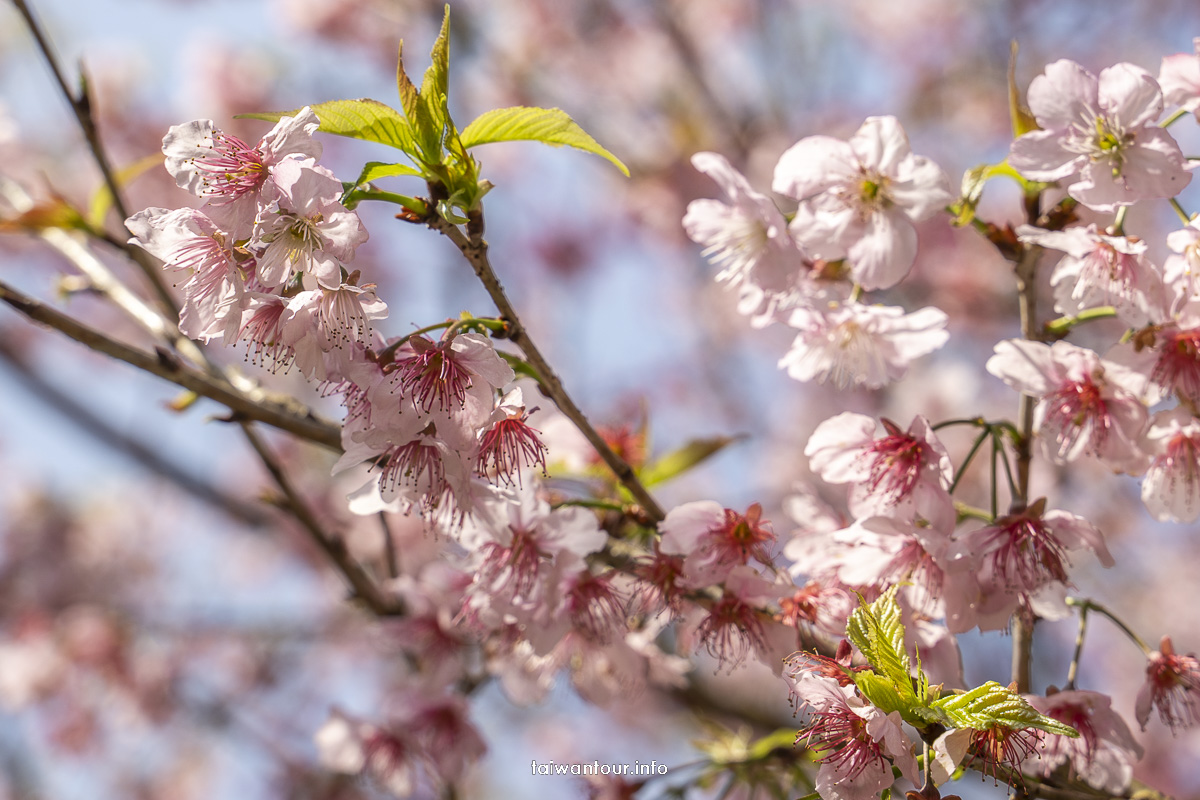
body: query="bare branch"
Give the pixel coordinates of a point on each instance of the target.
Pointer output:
(293, 419)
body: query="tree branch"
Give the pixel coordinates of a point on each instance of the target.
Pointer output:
(298, 421)
(475, 250)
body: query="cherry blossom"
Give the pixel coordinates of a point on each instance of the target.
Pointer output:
(1104, 752)
(714, 540)
(1086, 404)
(852, 344)
(1172, 687)
(1171, 489)
(748, 237)
(188, 242)
(855, 742)
(1180, 79)
(905, 473)
(859, 199)
(1100, 270)
(214, 165)
(1014, 560)
(1099, 136)
(1181, 270)
(304, 228)
(508, 444)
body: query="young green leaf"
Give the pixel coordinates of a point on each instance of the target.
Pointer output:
(685, 458)
(878, 633)
(881, 692)
(992, 705)
(366, 119)
(408, 89)
(551, 126)
(374, 170)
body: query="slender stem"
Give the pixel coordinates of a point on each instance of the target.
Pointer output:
(1171, 120)
(1084, 603)
(475, 250)
(1012, 484)
(1183, 215)
(977, 422)
(967, 461)
(81, 106)
(995, 474)
(1073, 671)
(295, 420)
(1060, 326)
(1118, 226)
(360, 582)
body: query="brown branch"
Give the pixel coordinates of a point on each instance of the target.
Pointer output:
(300, 422)
(475, 250)
(363, 587)
(81, 106)
(1023, 620)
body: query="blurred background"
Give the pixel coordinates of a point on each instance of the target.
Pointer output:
(163, 634)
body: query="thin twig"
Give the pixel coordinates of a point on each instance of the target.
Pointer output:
(475, 250)
(81, 106)
(360, 582)
(1073, 670)
(300, 422)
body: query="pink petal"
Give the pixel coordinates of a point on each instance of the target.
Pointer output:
(1062, 95)
(1130, 96)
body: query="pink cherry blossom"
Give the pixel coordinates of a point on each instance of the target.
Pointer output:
(1014, 560)
(1086, 404)
(304, 229)
(1171, 489)
(1104, 752)
(859, 199)
(214, 165)
(509, 445)
(852, 344)
(1099, 136)
(1181, 270)
(748, 236)
(1172, 686)
(1100, 270)
(350, 746)
(855, 742)
(714, 540)
(190, 243)
(905, 473)
(1180, 79)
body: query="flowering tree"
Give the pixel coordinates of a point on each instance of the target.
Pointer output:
(517, 542)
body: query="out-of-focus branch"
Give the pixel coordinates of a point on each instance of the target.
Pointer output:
(91, 422)
(363, 586)
(475, 250)
(81, 105)
(261, 408)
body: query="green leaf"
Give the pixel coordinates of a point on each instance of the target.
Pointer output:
(102, 199)
(992, 705)
(685, 458)
(551, 126)
(437, 78)
(878, 633)
(366, 119)
(881, 691)
(408, 89)
(374, 170)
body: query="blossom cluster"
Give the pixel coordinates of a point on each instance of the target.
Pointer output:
(529, 583)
